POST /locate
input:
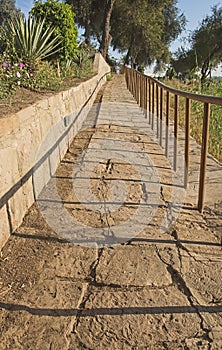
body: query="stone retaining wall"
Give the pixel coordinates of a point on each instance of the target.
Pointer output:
(34, 140)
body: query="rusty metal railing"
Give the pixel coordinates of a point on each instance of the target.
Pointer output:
(152, 95)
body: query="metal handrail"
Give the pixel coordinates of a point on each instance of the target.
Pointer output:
(197, 97)
(145, 88)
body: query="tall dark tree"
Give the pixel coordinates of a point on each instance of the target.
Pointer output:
(205, 52)
(143, 30)
(89, 15)
(83, 10)
(8, 10)
(106, 36)
(207, 42)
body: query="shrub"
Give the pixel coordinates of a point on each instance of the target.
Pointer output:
(12, 75)
(29, 41)
(61, 16)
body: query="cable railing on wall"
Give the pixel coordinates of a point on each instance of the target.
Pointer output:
(161, 105)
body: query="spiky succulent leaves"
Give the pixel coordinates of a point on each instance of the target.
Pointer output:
(32, 42)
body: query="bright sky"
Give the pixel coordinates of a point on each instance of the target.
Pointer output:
(24, 5)
(194, 11)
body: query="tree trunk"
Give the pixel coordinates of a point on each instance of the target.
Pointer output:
(87, 31)
(106, 37)
(206, 69)
(128, 55)
(126, 60)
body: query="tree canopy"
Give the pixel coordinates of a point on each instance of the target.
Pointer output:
(8, 10)
(60, 16)
(144, 29)
(205, 52)
(140, 29)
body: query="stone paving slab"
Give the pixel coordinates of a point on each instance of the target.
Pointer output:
(136, 318)
(112, 256)
(132, 266)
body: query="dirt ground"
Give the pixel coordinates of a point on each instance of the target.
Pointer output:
(25, 97)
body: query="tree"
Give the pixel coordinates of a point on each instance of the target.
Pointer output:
(60, 16)
(94, 16)
(205, 52)
(144, 29)
(88, 14)
(83, 15)
(207, 42)
(8, 10)
(106, 37)
(184, 62)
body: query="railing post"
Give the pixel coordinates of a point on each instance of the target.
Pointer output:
(187, 142)
(141, 91)
(144, 93)
(167, 124)
(153, 104)
(161, 116)
(157, 110)
(175, 131)
(134, 84)
(129, 80)
(146, 97)
(204, 150)
(149, 102)
(138, 87)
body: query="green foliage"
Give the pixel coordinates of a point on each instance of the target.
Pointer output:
(81, 57)
(108, 78)
(12, 76)
(46, 77)
(141, 29)
(89, 15)
(8, 10)
(145, 29)
(211, 87)
(26, 43)
(206, 47)
(27, 40)
(59, 15)
(81, 64)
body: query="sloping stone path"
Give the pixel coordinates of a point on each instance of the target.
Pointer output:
(114, 254)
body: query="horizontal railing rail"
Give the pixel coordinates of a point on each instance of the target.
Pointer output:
(149, 94)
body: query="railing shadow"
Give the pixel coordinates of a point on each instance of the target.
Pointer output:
(139, 240)
(112, 311)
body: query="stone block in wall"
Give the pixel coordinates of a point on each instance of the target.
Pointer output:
(20, 202)
(8, 125)
(4, 226)
(8, 162)
(53, 160)
(57, 107)
(42, 175)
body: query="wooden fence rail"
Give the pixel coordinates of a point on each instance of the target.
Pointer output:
(154, 97)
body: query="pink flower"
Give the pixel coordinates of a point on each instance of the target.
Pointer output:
(21, 64)
(4, 64)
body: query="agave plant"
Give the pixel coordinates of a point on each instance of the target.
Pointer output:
(30, 40)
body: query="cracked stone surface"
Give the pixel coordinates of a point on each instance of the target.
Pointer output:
(114, 254)
(135, 266)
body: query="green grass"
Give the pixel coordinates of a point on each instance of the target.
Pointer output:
(213, 88)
